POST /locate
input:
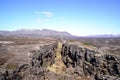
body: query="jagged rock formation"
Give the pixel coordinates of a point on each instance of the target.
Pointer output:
(36, 69)
(45, 56)
(91, 63)
(65, 61)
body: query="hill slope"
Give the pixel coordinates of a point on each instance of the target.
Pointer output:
(35, 33)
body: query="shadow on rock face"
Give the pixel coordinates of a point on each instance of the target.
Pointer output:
(88, 62)
(74, 61)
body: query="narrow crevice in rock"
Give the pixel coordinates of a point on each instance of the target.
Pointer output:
(58, 67)
(66, 61)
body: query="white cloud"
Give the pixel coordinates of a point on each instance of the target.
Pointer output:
(46, 13)
(38, 20)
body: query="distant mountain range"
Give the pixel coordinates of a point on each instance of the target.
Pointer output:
(46, 33)
(36, 33)
(105, 35)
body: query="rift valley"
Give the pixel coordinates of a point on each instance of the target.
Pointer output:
(59, 58)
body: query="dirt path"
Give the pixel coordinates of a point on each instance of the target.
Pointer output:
(58, 67)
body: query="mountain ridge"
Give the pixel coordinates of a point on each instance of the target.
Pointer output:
(35, 33)
(48, 33)
(104, 35)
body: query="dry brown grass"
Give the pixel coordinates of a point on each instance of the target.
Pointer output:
(11, 65)
(58, 67)
(4, 57)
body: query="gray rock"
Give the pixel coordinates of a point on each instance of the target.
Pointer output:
(100, 65)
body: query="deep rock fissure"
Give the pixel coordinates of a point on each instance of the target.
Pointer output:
(58, 67)
(67, 61)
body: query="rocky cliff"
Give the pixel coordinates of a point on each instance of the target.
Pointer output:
(35, 69)
(87, 62)
(66, 61)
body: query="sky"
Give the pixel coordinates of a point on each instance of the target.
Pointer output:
(78, 17)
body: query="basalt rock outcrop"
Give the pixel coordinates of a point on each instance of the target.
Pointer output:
(87, 62)
(36, 69)
(44, 57)
(81, 63)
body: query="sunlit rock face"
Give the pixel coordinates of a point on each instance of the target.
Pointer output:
(45, 56)
(35, 68)
(87, 62)
(64, 61)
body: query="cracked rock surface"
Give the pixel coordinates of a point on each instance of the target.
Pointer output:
(60, 61)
